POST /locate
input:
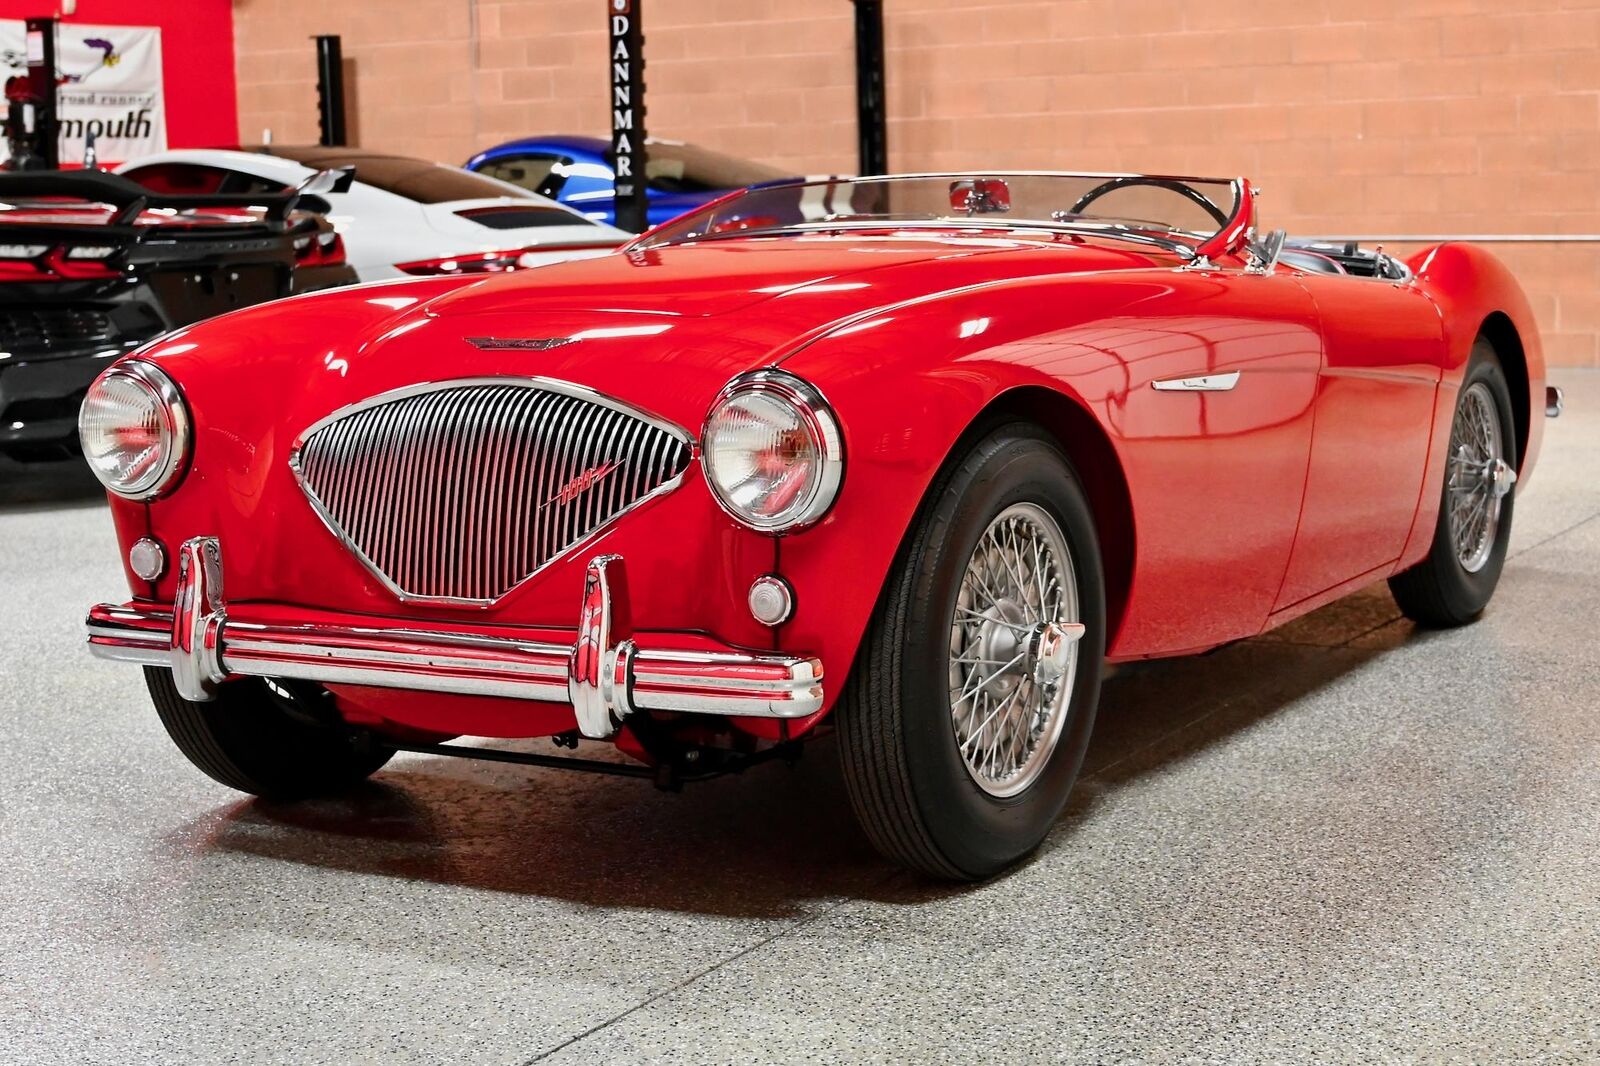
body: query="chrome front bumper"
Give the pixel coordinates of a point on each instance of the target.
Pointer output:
(605, 673)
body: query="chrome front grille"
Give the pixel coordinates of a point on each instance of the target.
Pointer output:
(457, 492)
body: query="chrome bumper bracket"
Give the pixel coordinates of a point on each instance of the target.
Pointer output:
(197, 620)
(606, 672)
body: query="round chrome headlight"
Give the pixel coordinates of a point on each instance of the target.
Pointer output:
(135, 430)
(772, 451)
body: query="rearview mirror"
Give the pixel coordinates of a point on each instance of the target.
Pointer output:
(980, 196)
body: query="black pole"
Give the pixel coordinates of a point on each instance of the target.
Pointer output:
(872, 120)
(625, 38)
(42, 87)
(330, 90)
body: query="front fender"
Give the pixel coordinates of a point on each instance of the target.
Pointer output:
(906, 385)
(1211, 489)
(232, 372)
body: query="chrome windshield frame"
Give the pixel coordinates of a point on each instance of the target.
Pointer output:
(1080, 229)
(1229, 237)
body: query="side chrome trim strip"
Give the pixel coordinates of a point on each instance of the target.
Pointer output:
(1200, 383)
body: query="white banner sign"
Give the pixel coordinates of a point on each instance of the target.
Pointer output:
(109, 84)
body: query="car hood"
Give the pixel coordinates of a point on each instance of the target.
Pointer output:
(820, 275)
(663, 330)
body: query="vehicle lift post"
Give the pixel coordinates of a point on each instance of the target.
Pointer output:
(872, 121)
(330, 90)
(625, 61)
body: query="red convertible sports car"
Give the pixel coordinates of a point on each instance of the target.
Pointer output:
(906, 459)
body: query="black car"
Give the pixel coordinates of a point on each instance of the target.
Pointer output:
(93, 265)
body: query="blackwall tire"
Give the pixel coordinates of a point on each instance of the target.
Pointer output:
(247, 739)
(1455, 582)
(908, 767)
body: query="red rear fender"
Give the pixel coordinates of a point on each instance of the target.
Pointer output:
(1476, 294)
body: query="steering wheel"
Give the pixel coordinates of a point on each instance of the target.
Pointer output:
(1132, 181)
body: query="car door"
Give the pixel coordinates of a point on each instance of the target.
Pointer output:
(1383, 351)
(1212, 398)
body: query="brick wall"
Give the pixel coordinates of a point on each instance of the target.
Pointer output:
(1355, 116)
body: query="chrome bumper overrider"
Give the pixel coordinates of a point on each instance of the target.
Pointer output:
(605, 674)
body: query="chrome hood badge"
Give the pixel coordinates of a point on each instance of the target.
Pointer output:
(519, 344)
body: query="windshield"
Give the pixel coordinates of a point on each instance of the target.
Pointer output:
(1170, 212)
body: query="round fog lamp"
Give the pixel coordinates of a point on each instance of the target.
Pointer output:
(146, 559)
(771, 600)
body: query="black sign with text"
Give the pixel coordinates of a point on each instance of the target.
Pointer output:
(627, 112)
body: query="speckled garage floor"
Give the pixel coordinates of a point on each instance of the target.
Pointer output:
(1345, 842)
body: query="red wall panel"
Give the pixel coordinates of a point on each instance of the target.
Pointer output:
(197, 64)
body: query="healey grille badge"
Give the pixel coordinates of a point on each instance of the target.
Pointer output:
(582, 483)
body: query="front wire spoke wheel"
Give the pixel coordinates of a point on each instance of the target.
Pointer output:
(1013, 649)
(965, 718)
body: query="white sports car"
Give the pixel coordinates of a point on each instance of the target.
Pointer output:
(398, 216)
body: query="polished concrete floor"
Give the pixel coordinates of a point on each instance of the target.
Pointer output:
(1348, 841)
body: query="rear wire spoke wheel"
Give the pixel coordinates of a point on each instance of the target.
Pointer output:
(966, 715)
(1454, 583)
(1475, 478)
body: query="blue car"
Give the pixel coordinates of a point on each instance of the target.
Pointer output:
(577, 171)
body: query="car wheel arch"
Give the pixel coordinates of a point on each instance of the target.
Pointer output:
(1088, 447)
(1066, 420)
(1501, 333)
(1478, 298)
